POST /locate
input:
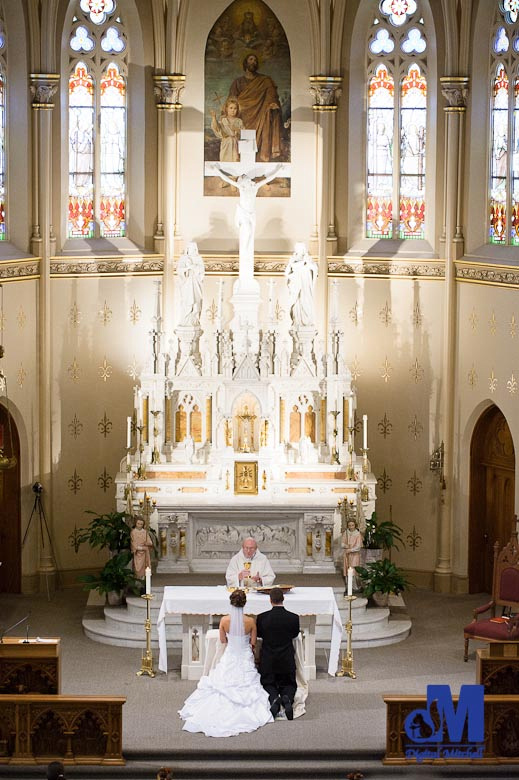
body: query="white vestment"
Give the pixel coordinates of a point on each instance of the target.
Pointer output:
(259, 565)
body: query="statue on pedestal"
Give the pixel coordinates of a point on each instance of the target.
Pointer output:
(301, 275)
(190, 272)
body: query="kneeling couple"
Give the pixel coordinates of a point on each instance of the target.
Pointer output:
(233, 699)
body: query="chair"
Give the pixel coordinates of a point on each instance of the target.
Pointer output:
(505, 593)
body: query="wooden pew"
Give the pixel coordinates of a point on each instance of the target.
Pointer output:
(73, 729)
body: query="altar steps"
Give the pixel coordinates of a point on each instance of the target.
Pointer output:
(124, 626)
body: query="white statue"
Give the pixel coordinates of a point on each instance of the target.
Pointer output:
(190, 272)
(301, 274)
(246, 214)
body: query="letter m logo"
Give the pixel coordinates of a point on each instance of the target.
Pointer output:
(470, 710)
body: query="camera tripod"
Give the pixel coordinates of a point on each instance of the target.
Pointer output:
(37, 510)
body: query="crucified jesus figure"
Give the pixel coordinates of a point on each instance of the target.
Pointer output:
(246, 214)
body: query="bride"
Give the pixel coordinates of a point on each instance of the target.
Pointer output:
(230, 700)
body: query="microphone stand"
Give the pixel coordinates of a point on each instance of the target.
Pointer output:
(6, 630)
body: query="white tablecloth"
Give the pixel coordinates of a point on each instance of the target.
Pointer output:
(194, 600)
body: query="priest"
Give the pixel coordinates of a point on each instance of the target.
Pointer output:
(249, 564)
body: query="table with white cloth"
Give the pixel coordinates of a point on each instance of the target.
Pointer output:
(198, 604)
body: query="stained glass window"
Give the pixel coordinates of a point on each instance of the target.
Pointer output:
(97, 123)
(396, 123)
(3, 224)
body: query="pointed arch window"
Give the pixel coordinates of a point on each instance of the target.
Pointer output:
(97, 122)
(396, 122)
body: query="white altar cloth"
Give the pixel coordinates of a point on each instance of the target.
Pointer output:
(193, 600)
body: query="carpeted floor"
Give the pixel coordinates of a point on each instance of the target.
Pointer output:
(342, 714)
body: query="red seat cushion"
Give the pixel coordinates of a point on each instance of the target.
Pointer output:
(493, 631)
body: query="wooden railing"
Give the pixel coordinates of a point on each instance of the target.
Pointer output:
(73, 729)
(500, 728)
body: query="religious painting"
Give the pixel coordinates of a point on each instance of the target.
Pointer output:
(246, 478)
(247, 87)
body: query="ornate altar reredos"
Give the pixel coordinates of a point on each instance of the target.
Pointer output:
(246, 439)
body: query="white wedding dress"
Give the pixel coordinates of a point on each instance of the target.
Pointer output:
(229, 700)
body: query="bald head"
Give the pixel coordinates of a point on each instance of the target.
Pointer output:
(249, 547)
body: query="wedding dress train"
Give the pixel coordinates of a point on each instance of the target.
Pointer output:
(229, 700)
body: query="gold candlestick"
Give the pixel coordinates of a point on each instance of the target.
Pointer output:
(346, 669)
(141, 469)
(147, 656)
(155, 455)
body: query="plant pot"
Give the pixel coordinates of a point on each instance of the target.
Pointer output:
(381, 599)
(114, 598)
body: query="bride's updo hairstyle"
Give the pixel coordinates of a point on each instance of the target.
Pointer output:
(238, 598)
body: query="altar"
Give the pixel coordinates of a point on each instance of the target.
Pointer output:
(198, 604)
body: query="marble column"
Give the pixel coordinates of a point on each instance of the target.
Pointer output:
(454, 90)
(43, 87)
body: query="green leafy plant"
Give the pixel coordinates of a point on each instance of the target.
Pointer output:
(382, 577)
(110, 530)
(115, 576)
(384, 535)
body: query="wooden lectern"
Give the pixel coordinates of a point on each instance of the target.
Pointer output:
(30, 667)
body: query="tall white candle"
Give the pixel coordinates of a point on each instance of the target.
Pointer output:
(365, 431)
(148, 580)
(350, 581)
(128, 432)
(350, 411)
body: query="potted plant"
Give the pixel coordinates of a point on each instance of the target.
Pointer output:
(381, 577)
(110, 530)
(114, 579)
(381, 536)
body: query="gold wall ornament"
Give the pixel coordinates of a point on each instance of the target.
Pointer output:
(279, 312)
(415, 428)
(511, 385)
(385, 427)
(417, 316)
(74, 370)
(21, 376)
(513, 326)
(246, 478)
(492, 323)
(209, 418)
(104, 481)
(385, 315)
(132, 369)
(211, 312)
(472, 377)
(415, 484)
(414, 539)
(416, 371)
(105, 314)
(75, 427)
(21, 317)
(74, 315)
(104, 426)
(135, 313)
(492, 382)
(384, 482)
(473, 319)
(387, 368)
(354, 314)
(105, 370)
(355, 369)
(75, 482)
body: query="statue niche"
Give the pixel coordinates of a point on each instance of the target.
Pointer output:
(246, 424)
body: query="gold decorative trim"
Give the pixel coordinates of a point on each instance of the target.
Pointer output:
(321, 109)
(384, 267)
(246, 478)
(64, 267)
(15, 270)
(492, 275)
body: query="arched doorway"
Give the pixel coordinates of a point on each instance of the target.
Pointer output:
(492, 487)
(10, 540)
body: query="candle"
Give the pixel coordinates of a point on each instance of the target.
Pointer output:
(350, 412)
(148, 580)
(350, 581)
(128, 432)
(365, 431)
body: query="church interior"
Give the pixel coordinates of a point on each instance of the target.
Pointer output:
(258, 277)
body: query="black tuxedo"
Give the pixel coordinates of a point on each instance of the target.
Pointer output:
(278, 628)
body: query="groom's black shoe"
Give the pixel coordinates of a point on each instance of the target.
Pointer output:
(275, 707)
(287, 704)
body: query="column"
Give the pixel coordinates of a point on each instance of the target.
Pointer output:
(43, 87)
(167, 90)
(454, 90)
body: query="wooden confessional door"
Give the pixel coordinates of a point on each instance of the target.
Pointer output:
(492, 488)
(10, 530)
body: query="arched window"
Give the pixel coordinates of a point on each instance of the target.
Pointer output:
(504, 127)
(396, 122)
(97, 122)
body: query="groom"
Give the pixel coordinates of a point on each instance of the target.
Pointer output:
(278, 628)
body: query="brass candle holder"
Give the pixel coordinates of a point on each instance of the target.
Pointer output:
(147, 656)
(335, 455)
(155, 455)
(141, 469)
(346, 669)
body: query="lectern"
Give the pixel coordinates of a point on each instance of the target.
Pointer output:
(30, 666)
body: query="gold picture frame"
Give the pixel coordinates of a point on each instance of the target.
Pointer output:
(246, 478)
